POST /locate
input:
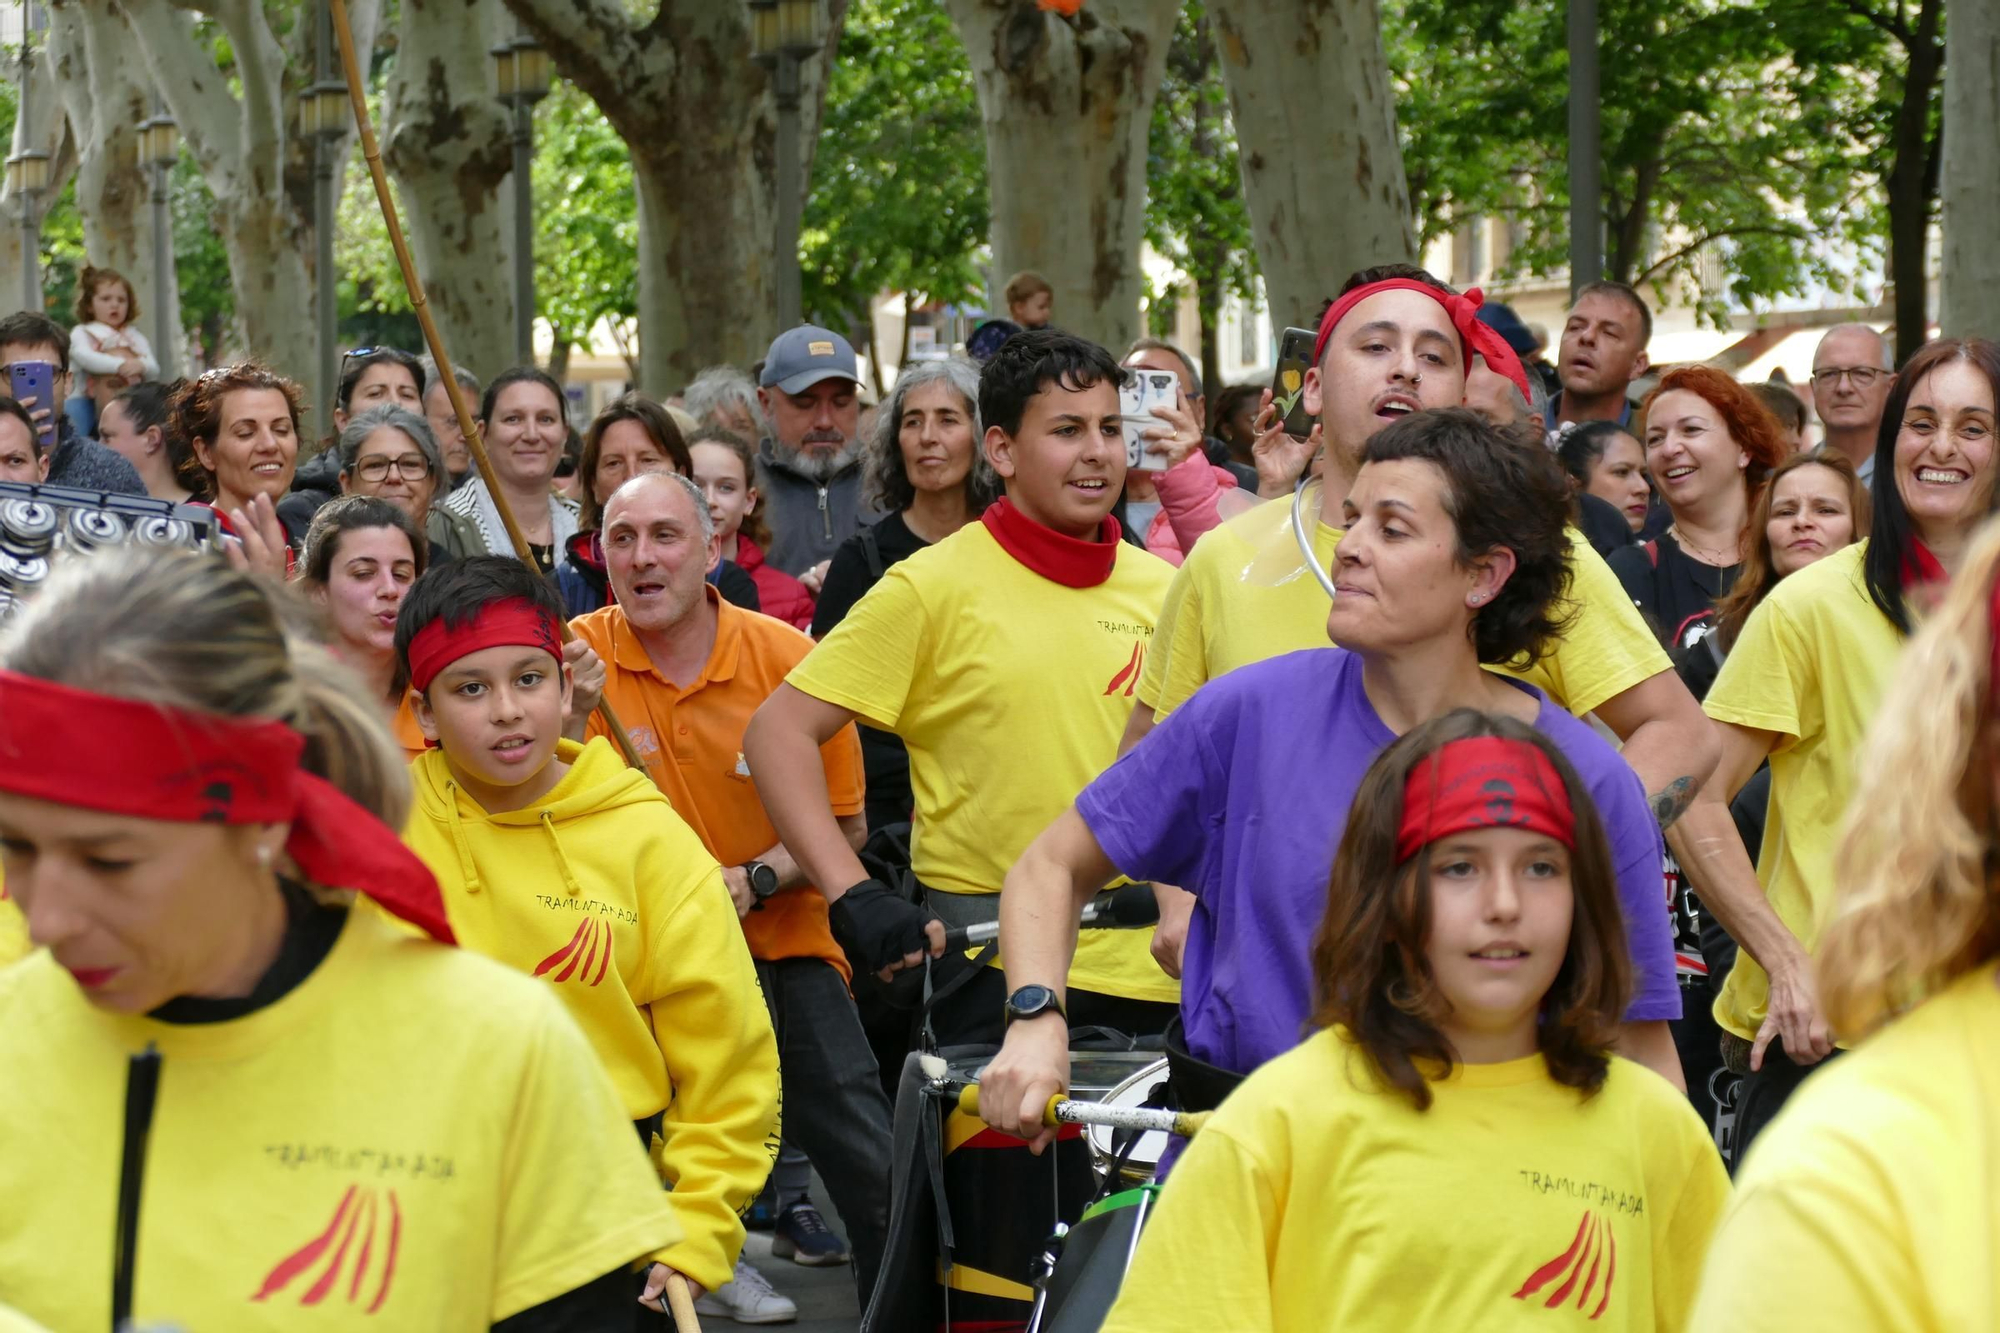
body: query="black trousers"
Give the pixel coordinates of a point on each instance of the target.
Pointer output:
(1765, 1092)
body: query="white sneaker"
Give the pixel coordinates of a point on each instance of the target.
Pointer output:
(748, 1299)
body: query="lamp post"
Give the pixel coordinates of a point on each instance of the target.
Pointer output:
(521, 71)
(783, 34)
(323, 117)
(28, 170)
(1586, 217)
(160, 148)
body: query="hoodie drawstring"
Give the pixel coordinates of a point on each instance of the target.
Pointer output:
(468, 869)
(570, 885)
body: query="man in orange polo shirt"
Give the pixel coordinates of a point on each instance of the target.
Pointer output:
(685, 672)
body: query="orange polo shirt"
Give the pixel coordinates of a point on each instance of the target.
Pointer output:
(406, 731)
(692, 742)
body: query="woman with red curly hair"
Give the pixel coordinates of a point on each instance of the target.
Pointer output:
(1710, 444)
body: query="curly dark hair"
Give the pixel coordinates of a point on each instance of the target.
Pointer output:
(1503, 488)
(1370, 974)
(87, 284)
(196, 410)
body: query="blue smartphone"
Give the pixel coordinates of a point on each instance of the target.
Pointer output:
(36, 380)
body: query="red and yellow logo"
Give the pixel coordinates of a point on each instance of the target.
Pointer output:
(1592, 1250)
(364, 1217)
(1127, 678)
(584, 958)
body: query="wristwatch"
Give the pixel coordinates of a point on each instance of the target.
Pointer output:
(763, 879)
(1031, 1001)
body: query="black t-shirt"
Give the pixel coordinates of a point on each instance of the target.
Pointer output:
(1676, 592)
(849, 575)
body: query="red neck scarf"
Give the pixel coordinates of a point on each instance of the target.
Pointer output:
(512, 621)
(1070, 561)
(1920, 566)
(1463, 312)
(1483, 782)
(125, 757)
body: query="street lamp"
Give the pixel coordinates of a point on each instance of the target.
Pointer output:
(522, 74)
(783, 33)
(160, 149)
(323, 118)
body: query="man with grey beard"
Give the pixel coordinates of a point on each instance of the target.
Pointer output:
(809, 468)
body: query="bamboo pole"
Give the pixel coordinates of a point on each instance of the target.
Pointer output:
(357, 94)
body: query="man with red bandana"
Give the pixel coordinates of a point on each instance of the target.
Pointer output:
(1396, 341)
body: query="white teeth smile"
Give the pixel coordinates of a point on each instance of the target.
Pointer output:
(1674, 472)
(1939, 476)
(1088, 485)
(1400, 409)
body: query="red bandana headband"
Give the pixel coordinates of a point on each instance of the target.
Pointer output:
(1462, 310)
(125, 757)
(1483, 782)
(512, 621)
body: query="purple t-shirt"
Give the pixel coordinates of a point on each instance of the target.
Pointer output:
(1240, 798)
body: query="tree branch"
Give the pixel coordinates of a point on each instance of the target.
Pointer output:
(1892, 24)
(187, 78)
(1666, 262)
(591, 41)
(260, 65)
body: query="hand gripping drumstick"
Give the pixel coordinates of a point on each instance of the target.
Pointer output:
(1062, 1111)
(373, 152)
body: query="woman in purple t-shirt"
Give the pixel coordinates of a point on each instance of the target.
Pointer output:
(1454, 560)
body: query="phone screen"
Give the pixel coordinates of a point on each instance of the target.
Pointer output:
(1288, 385)
(1144, 391)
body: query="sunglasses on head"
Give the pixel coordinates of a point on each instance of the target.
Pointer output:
(395, 354)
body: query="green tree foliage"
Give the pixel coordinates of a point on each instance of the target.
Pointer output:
(1195, 214)
(1725, 155)
(898, 199)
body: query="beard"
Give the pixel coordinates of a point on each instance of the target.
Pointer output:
(821, 465)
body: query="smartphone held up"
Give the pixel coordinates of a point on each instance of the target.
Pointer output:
(1144, 391)
(1288, 384)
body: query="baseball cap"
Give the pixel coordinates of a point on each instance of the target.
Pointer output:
(1502, 320)
(802, 357)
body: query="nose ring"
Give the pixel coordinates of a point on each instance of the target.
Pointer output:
(1416, 379)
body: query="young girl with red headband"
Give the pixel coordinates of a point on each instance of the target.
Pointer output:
(1456, 1148)
(324, 1122)
(561, 862)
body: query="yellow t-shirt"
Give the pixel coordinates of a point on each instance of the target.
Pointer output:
(14, 941)
(1316, 1200)
(1873, 1201)
(1811, 665)
(413, 1138)
(1010, 691)
(1244, 595)
(602, 892)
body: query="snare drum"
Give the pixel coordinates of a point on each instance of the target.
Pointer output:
(1108, 1146)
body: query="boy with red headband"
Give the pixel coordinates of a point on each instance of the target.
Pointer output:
(1005, 656)
(1455, 1146)
(557, 859)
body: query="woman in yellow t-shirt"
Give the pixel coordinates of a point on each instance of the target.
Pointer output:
(1801, 686)
(1458, 1148)
(227, 1101)
(1873, 1203)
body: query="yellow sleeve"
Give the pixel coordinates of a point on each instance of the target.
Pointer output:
(1607, 648)
(14, 942)
(1768, 679)
(1177, 663)
(1204, 1260)
(1817, 1247)
(870, 661)
(1682, 1232)
(720, 1132)
(581, 1200)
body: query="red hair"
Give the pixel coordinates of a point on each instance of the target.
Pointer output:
(1749, 422)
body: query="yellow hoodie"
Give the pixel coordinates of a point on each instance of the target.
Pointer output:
(14, 942)
(602, 891)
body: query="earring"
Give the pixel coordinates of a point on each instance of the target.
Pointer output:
(1479, 599)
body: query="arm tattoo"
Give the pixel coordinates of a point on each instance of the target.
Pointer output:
(1672, 801)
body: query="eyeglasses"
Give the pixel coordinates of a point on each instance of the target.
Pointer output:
(396, 354)
(410, 467)
(1861, 377)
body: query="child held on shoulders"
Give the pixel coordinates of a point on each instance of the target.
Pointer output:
(560, 861)
(106, 346)
(1457, 1147)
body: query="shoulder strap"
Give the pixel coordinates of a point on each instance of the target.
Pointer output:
(871, 551)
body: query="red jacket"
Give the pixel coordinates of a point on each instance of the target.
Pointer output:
(778, 593)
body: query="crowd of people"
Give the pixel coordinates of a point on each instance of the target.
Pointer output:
(525, 861)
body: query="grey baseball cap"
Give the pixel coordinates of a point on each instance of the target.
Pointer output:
(800, 358)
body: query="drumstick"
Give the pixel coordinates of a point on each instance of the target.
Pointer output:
(681, 1301)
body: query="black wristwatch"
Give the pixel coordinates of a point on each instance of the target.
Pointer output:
(763, 879)
(1031, 1001)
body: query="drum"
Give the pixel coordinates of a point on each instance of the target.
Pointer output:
(1113, 1150)
(1095, 1256)
(1004, 1201)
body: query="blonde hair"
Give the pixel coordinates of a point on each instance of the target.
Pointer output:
(183, 630)
(1915, 906)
